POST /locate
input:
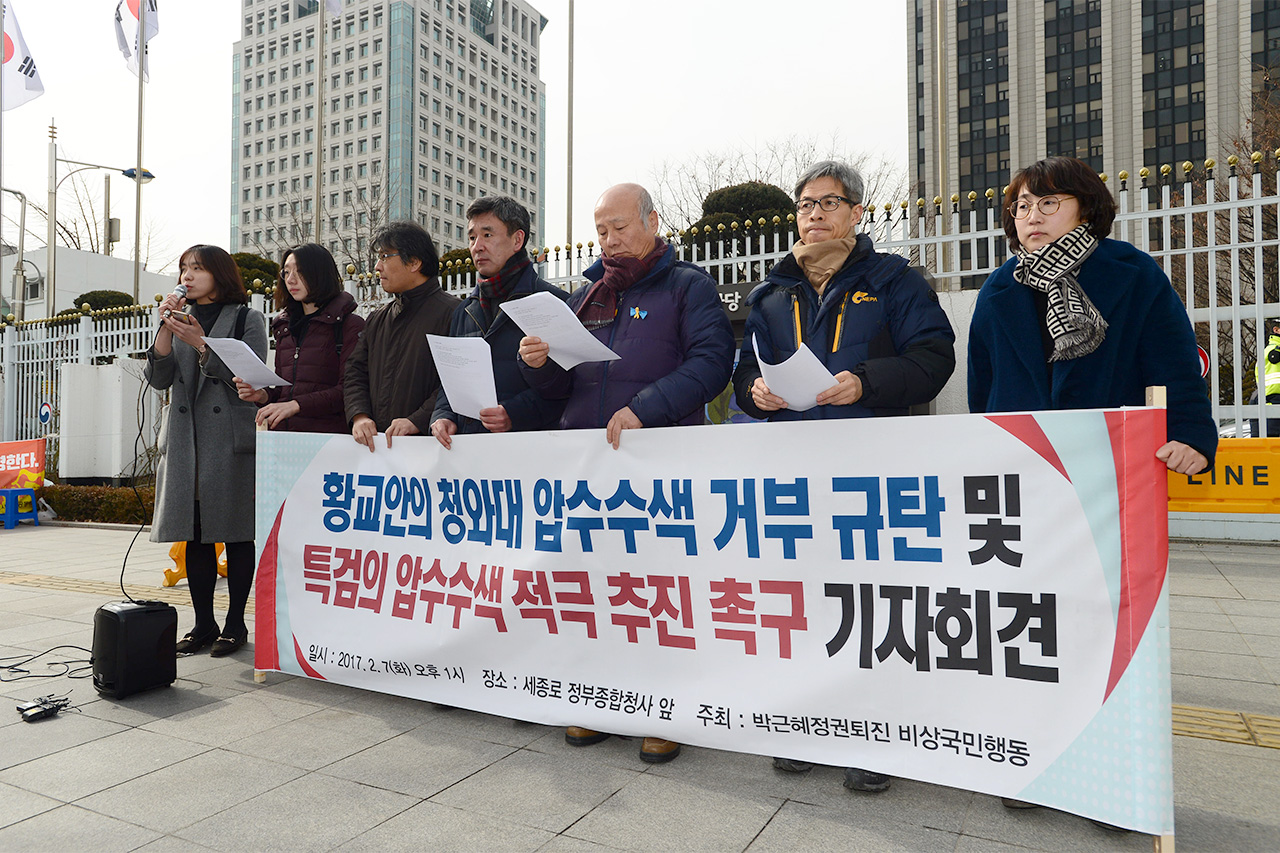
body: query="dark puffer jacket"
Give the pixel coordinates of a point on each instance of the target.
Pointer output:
(527, 408)
(316, 368)
(676, 348)
(877, 319)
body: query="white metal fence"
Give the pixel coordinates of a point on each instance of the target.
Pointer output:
(1217, 239)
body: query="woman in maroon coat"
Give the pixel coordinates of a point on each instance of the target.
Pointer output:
(315, 332)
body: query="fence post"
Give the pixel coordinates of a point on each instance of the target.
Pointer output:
(9, 417)
(86, 340)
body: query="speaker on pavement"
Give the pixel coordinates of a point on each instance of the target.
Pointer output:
(133, 647)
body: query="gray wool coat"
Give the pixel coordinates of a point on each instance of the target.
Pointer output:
(207, 440)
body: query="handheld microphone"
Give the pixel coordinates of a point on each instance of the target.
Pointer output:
(181, 292)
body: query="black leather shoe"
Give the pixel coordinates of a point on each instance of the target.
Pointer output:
(190, 644)
(226, 644)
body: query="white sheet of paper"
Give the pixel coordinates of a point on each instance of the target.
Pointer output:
(798, 380)
(244, 362)
(465, 366)
(542, 315)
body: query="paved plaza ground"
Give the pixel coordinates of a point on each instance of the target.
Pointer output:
(219, 762)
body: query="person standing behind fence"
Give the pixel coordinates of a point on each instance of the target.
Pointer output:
(870, 318)
(498, 229)
(390, 383)
(1268, 380)
(1076, 320)
(663, 318)
(205, 477)
(316, 332)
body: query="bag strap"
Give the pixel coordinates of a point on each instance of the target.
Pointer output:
(241, 316)
(337, 334)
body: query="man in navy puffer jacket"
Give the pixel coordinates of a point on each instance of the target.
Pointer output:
(665, 320)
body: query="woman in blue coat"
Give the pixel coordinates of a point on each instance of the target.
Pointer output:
(1079, 321)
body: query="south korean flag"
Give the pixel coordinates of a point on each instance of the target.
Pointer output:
(18, 75)
(129, 11)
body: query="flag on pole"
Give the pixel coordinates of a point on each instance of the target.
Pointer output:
(129, 51)
(18, 74)
(334, 7)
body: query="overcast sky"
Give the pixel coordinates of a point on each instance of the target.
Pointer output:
(655, 81)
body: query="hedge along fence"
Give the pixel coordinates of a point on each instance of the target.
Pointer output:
(104, 504)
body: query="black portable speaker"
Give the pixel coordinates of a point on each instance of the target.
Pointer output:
(133, 647)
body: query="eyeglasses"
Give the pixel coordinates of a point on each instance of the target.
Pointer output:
(805, 206)
(382, 256)
(1048, 206)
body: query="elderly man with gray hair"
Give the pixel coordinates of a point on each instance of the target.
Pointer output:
(869, 317)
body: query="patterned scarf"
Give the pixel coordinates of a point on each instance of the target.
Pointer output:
(1073, 321)
(601, 303)
(494, 291)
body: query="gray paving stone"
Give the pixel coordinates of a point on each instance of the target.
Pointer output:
(319, 739)
(1203, 622)
(1213, 832)
(1259, 590)
(1250, 608)
(653, 813)
(1227, 694)
(906, 801)
(516, 789)
(68, 828)
(1228, 778)
(1179, 604)
(189, 791)
(1262, 645)
(1243, 667)
(721, 770)
(17, 804)
(170, 844)
(27, 741)
(1044, 829)
(220, 723)
(435, 827)
(1216, 587)
(968, 844)
(90, 767)
(1208, 641)
(800, 826)
(479, 726)
(314, 812)
(312, 690)
(1265, 625)
(141, 708)
(569, 844)
(421, 762)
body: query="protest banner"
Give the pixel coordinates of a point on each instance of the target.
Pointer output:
(22, 467)
(976, 601)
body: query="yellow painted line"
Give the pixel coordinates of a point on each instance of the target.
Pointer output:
(1227, 726)
(176, 596)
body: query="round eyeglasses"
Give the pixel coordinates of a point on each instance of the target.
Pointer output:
(1048, 206)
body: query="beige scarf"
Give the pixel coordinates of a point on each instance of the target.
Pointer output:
(820, 261)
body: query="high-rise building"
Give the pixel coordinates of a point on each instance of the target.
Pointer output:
(1121, 84)
(399, 109)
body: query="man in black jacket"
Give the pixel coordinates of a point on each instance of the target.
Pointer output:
(391, 381)
(497, 230)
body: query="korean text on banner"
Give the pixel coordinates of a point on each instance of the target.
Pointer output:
(851, 593)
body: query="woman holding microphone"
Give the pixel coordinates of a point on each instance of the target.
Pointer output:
(205, 477)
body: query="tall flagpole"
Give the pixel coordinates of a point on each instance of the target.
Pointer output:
(137, 180)
(322, 25)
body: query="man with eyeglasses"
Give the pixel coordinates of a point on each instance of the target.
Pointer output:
(391, 382)
(870, 318)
